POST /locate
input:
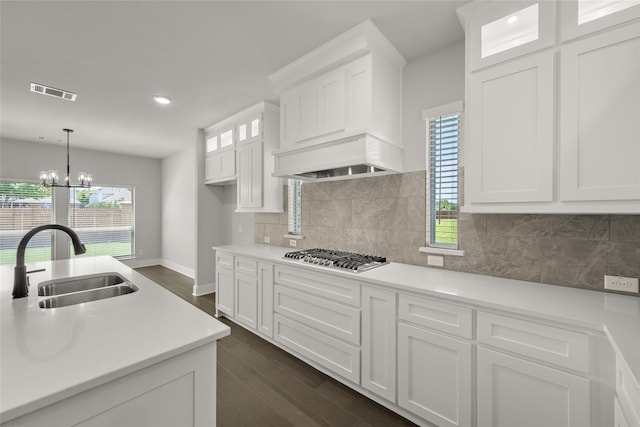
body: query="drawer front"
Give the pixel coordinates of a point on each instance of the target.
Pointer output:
(224, 260)
(334, 319)
(331, 353)
(324, 285)
(246, 266)
(628, 392)
(452, 319)
(546, 343)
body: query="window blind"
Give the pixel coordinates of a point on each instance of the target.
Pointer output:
(294, 206)
(23, 206)
(444, 136)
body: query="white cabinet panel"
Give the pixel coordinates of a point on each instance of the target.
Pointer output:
(327, 286)
(246, 299)
(224, 260)
(225, 291)
(379, 319)
(250, 175)
(334, 319)
(248, 266)
(220, 166)
(510, 143)
(600, 129)
(628, 393)
(514, 392)
(434, 376)
(329, 352)
(331, 99)
(437, 315)
(578, 18)
(546, 343)
(265, 298)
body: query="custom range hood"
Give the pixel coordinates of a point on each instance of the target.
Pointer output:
(340, 109)
(354, 156)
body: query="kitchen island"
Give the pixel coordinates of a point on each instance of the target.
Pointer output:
(144, 358)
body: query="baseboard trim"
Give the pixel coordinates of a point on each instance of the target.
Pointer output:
(207, 288)
(179, 268)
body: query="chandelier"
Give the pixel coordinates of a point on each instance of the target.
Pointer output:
(50, 178)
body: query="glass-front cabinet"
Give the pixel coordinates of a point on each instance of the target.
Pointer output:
(581, 17)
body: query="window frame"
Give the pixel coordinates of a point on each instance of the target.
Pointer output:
(452, 108)
(294, 209)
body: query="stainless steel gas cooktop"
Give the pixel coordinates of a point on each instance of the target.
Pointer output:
(348, 261)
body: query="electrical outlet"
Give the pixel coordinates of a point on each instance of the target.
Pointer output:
(617, 283)
(293, 243)
(267, 239)
(435, 260)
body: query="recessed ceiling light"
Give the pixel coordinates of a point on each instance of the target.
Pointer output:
(512, 19)
(162, 100)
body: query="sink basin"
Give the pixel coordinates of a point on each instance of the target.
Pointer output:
(106, 291)
(79, 283)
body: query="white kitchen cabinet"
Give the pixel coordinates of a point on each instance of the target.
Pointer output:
(379, 322)
(250, 127)
(265, 298)
(224, 291)
(516, 392)
(600, 130)
(434, 376)
(167, 393)
(246, 301)
(510, 152)
(627, 399)
(581, 17)
(250, 175)
(220, 166)
(499, 31)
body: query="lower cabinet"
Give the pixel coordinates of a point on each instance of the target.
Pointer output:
(516, 392)
(246, 304)
(224, 291)
(265, 298)
(434, 376)
(627, 399)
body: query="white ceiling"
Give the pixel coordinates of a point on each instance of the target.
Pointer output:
(212, 58)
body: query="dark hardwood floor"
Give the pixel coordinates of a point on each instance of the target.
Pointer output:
(261, 385)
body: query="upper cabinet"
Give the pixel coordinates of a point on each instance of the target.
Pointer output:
(347, 90)
(552, 119)
(239, 151)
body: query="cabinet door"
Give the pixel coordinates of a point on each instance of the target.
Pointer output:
(249, 128)
(434, 376)
(379, 319)
(250, 175)
(600, 126)
(224, 291)
(331, 103)
(246, 288)
(265, 298)
(579, 17)
(515, 392)
(220, 166)
(510, 142)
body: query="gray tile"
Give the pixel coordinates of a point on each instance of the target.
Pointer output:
(380, 214)
(330, 213)
(258, 233)
(624, 259)
(589, 227)
(359, 240)
(357, 188)
(276, 232)
(266, 218)
(416, 214)
(575, 263)
(472, 224)
(316, 191)
(305, 215)
(316, 237)
(410, 184)
(400, 246)
(625, 228)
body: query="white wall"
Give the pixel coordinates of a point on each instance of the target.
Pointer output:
(178, 212)
(23, 161)
(435, 79)
(238, 227)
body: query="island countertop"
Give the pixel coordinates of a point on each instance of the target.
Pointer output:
(51, 354)
(617, 316)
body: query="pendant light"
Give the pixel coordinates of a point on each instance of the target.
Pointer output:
(51, 179)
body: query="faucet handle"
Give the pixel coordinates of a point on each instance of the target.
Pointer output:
(36, 271)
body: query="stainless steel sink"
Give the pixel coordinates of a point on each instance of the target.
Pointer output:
(79, 283)
(88, 295)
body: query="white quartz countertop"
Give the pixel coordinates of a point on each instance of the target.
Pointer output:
(617, 316)
(50, 354)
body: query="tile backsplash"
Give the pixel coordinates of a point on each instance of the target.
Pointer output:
(385, 216)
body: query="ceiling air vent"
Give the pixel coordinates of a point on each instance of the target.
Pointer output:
(51, 91)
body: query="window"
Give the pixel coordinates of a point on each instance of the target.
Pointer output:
(103, 218)
(295, 206)
(443, 153)
(24, 205)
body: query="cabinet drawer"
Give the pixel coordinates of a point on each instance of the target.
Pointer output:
(628, 392)
(246, 266)
(224, 260)
(332, 318)
(444, 317)
(546, 343)
(331, 353)
(324, 285)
